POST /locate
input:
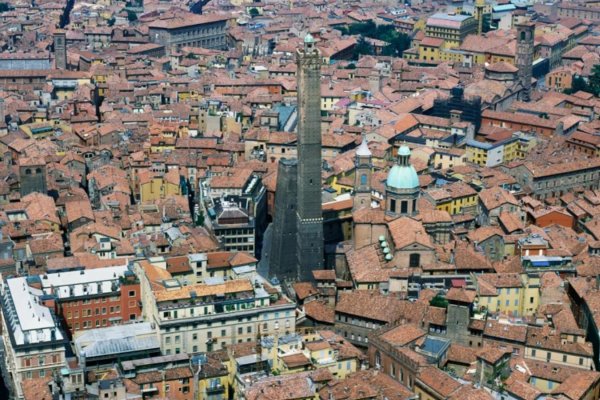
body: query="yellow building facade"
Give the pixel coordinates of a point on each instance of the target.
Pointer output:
(519, 298)
(159, 187)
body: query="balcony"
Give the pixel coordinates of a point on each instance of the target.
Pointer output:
(215, 389)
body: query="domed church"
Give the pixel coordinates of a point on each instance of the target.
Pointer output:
(392, 235)
(402, 187)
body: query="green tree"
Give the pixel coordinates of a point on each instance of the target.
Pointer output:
(111, 21)
(439, 301)
(5, 7)
(578, 84)
(131, 16)
(342, 29)
(595, 80)
(397, 41)
(254, 12)
(200, 218)
(362, 47)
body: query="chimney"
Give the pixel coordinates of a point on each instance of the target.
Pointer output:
(560, 129)
(455, 116)
(374, 83)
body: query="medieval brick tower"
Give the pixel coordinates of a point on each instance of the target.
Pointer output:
(60, 49)
(309, 212)
(524, 59)
(283, 259)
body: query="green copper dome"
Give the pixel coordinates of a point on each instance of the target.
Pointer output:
(309, 38)
(403, 175)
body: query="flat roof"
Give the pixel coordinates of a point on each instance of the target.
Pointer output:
(30, 322)
(83, 282)
(116, 339)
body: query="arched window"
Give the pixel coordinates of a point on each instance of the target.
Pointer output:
(414, 260)
(377, 359)
(523, 35)
(404, 206)
(38, 170)
(28, 171)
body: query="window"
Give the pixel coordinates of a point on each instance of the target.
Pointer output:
(392, 205)
(132, 293)
(404, 207)
(363, 179)
(414, 260)
(580, 361)
(240, 330)
(533, 353)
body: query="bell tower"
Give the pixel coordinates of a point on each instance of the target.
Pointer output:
(362, 176)
(524, 59)
(479, 8)
(60, 49)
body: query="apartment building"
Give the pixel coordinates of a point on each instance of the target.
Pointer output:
(455, 198)
(492, 154)
(207, 316)
(33, 341)
(208, 31)
(509, 293)
(92, 298)
(554, 180)
(451, 28)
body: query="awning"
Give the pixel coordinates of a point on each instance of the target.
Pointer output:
(458, 283)
(540, 263)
